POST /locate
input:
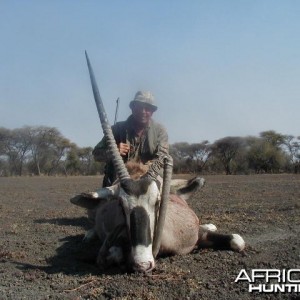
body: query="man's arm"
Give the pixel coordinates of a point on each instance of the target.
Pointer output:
(101, 152)
(156, 167)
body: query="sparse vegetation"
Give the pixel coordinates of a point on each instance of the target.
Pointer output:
(45, 151)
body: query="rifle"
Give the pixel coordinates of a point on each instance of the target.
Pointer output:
(117, 110)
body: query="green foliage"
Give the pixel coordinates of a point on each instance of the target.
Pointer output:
(273, 138)
(44, 150)
(292, 148)
(226, 150)
(190, 158)
(264, 156)
(73, 162)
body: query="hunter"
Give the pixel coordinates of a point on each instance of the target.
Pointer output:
(139, 139)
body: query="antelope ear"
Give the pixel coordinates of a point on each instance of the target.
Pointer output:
(109, 191)
(85, 201)
(192, 186)
(92, 199)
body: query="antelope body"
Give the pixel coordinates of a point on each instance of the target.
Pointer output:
(135, 221)
(126, 230)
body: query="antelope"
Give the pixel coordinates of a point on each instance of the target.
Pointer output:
(136, 222)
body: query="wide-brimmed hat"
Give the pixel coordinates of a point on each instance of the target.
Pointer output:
(145, 98)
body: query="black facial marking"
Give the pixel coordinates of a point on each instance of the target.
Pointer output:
(136, 187)
(140, 227)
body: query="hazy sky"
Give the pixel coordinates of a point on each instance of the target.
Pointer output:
(217, 68)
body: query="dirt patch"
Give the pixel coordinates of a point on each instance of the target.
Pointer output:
(42, 256)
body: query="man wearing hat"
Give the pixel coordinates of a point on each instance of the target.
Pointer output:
(139, 139)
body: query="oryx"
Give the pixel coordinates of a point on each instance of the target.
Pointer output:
(135, 221)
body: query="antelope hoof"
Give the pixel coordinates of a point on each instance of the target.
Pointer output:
(208, 227)
(237, 243)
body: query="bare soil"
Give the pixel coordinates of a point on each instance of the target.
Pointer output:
(42, 255)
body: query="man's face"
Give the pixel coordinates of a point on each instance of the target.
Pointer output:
(142, 113)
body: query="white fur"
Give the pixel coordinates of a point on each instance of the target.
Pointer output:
(237, 243)
(208, 227)
(94, 194)
(178, 183)
(201, 181)
(147, 201)
(143, 257)
(105, 192)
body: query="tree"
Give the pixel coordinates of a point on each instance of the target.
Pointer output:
(72, 163)
(190, 157)
(39, 137)
(14, 145)
(179, 152)
(265, 156)
(292, 145)
(48, 150)
(58, 152)
(44, 150)
(273, 138)
(200, 153)
(5, 135)
(225, 150)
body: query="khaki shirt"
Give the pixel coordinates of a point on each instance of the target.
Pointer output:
(150, 148)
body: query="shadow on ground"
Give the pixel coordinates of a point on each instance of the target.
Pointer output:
(76, 222)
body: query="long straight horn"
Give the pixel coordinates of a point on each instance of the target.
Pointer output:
(168, 168)
(110, 140)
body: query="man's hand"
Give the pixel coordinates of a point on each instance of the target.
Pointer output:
(123, 149)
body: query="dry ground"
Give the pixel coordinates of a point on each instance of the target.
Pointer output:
(42, 257)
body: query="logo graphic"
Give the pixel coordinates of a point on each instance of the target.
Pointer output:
(271, 280)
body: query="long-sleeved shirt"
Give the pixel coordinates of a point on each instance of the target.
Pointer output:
(150, 148)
